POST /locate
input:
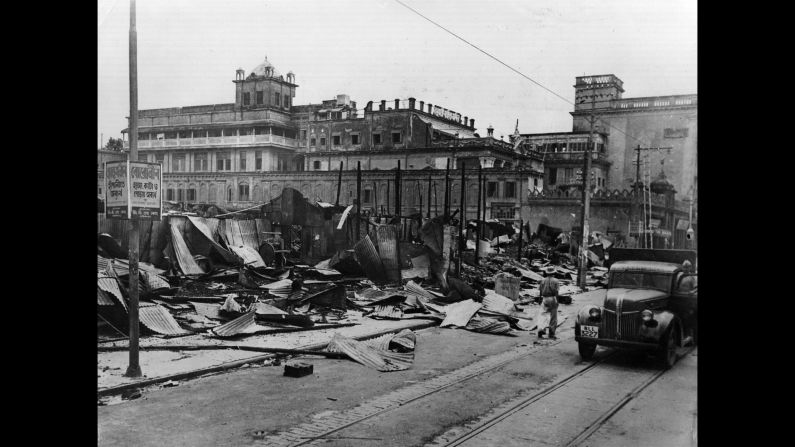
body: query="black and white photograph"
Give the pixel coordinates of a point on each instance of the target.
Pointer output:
(397, 223)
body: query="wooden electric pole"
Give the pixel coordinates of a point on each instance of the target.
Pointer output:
(586, 197)
(134, 368)
(477, 216)
(358, 199)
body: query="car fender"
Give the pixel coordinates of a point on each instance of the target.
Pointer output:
(664, 320)
(583, 317)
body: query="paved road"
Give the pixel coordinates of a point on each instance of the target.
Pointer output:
(459, 378)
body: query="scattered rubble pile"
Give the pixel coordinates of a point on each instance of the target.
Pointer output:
(227, 279)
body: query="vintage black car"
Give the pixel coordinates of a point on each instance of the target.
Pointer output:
(649, 305)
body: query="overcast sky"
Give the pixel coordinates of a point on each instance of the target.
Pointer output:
(188, 51)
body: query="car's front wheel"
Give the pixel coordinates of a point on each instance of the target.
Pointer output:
(667, 353)
(586, 350)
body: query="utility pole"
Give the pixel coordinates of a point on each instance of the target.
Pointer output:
(358, 199)
(586, 196)
(447, 191)
(397, 191)
(134, 368)
(477, 216)
(429, 197)
(461, 218)
(339, 186)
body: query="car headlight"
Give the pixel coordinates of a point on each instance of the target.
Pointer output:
(595, 313)
(647, 315)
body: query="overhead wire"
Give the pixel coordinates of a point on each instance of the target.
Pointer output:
(511, 68)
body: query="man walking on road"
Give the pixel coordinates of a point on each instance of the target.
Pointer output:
(548, 312)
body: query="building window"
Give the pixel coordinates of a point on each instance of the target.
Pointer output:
(229, 195)
(510, 190)
(491, 189)
(191, 195)
(242, 164)
(503, 212)
(180, 195)
(178, 163)
(312, 141)
(142, 157)
(260, 97)
(397, 137)
(316, 165)
(278, 99)
(535, 182)
(214, 133)
(170, 194)
(303, 135)
(159, 158)
(354, 138)
(143, 136)
(376, 138)
(335, 140)
(286, 101)
(553, 176)
(246, 98)
(199, 134)
(368, 196)
(242, 193)
(223, 161)
(568, 175)
(258, 160)
(323, 141)
(200, 162)
(99, 190)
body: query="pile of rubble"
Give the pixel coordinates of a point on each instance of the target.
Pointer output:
(228, 279)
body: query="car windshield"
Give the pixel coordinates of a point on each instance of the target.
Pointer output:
(640, 280)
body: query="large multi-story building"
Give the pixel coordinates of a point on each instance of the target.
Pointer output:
(665, 128)
(242, 153)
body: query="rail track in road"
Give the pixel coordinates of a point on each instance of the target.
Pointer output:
(555, 432)
(324, 427)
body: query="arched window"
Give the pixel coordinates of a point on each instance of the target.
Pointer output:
(212, 194)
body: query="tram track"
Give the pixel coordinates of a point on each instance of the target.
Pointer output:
(331, 427)
(514, 407)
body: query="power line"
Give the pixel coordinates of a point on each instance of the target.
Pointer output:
(508, 66)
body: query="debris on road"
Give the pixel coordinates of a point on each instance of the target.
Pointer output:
(298, 369)
(296, 265)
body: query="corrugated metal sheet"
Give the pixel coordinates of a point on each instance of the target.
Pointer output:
(245, 324)
(344, 216)
(416, 289)
(107, 281)
(249, 255)
(103, 299)
(184, 257)
(405, 340)
(498, 303)
(232, 230)
(282, 288)
(387, 312)
(267, 309)
(388, 251)
(459, 314)
(489, 326)
(208, 310)
(157, 319)
(369, 260)
(154, 282)
(381, 360)
(334, 296)
(248, 233)
(202, 225)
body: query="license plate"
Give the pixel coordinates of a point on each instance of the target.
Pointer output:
(589, 331)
